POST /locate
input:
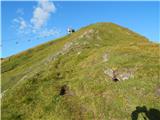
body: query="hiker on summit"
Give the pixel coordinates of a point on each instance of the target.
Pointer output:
(70, 30)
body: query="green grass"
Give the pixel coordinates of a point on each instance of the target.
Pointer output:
(32, 81)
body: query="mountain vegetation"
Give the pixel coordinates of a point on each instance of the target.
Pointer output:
(100, 72)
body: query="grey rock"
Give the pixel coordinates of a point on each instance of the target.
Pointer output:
(105, 57)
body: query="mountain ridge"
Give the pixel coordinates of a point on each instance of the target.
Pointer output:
(76, 31)
(99, 72)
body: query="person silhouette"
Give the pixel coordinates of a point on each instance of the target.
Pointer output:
(138, 110)
(151, 114)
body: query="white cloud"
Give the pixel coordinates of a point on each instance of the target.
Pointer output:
(15, 20)
(37, 24)
(42, 13)
(20, 22)
(20, 11)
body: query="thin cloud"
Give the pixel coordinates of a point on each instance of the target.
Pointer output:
(20, 22)
(20, 11)
(42, 13)
(37, 24)
(23, 24)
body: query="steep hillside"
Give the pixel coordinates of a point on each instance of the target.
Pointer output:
(101, 72)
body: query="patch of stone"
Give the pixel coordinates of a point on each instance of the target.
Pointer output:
(85, 43)
(73, 44)
(119, 74)
(97, 45)
(108, 72)
(79, 53)
(125, 76)
(158, 91)
(67, 46)
(128, 33)
(88, 34)
(109, 31)
(105, 57)
(63, 51)
(99, 38)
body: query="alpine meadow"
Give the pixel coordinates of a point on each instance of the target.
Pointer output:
(100, 72)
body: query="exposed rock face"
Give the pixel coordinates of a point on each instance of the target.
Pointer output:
(90, 34)
(73, 44)
(63, 51)
(109, 72)
(67, 46)
(158, 91)
(119, 74)
(105, 57)
(125, 76)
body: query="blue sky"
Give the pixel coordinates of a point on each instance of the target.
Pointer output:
(27, 24)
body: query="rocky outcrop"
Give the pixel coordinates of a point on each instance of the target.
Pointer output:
(119, 74)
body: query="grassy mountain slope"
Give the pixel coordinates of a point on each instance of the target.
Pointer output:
(84, 62)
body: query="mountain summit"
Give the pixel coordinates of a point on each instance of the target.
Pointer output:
(100, 72)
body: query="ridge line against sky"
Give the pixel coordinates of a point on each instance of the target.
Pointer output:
(36, 22)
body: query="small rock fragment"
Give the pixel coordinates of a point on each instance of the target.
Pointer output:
(158, 91)
(105, 57)
(79, 53)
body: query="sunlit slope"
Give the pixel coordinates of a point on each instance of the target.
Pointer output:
(72, 78)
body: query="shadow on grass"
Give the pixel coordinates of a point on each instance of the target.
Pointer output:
(150, 114)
